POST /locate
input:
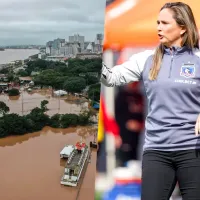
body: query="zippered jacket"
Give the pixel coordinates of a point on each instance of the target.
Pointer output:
(173, 98)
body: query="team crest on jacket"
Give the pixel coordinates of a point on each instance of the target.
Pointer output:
(188, 70)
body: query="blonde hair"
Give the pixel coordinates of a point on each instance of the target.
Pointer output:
(183, 16)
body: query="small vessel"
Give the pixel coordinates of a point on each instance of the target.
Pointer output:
(77, 161)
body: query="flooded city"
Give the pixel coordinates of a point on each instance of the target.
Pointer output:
(31, 167)
(25, 102)
(30, 164)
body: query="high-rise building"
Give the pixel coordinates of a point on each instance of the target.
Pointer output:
(99, 42)
(49, 47)
(99, 36)
(77, 39)
(52, 47)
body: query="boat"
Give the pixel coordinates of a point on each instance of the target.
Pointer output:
(77, 161)
(2, 49)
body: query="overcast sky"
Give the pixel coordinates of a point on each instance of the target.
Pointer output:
(38, 21)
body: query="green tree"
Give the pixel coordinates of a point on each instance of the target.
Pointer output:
(91, 79)
(55, 121)
(77, 70)
(39, 118)
(22, 73)
(4, 71)
(44, 105)
(84, 118)
(69, 120)
(3, 129)
(14, 124)
(13, 92)
(3, 108)
(74, 84)
(49, 78)
(94, 92)
(10, 77)
(29, 124)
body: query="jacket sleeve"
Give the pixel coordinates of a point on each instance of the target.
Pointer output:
(129, 71)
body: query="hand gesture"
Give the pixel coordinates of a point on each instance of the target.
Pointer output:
(197, 126)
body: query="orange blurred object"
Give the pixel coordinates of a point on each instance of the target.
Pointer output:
(132, 23)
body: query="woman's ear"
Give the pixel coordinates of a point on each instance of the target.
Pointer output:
(183, 30)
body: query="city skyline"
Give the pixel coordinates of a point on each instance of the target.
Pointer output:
(35, 22)
(52, 39)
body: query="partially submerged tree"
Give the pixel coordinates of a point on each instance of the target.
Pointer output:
(3, 108)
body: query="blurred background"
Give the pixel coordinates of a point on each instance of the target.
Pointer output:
(130, 27)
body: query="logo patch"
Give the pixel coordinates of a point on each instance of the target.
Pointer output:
(188, 70)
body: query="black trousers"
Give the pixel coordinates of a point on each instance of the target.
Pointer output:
(161, 171)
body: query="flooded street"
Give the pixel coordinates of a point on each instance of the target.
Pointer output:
(27, 101)
(31, 168)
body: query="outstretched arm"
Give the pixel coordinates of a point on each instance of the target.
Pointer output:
(125, 73)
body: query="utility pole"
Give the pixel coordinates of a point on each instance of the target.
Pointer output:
(22, 101)
(59, 103)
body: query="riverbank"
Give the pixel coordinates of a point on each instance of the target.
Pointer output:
(13, 124)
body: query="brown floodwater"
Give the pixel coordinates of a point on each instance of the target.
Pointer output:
(31, 168)
(24, 103)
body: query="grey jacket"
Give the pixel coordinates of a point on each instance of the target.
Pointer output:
(173, 98)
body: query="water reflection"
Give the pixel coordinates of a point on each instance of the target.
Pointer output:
(13, 98)
(82, 133)
(62, 163)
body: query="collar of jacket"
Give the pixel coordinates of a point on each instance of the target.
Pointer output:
(178, 50)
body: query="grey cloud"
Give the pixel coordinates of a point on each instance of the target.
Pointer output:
(37, 5)
(43, 20)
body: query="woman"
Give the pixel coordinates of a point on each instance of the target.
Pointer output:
(171, 76)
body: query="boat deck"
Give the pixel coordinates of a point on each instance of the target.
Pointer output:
(74, 160)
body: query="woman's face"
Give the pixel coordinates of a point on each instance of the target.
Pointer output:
(169, 31)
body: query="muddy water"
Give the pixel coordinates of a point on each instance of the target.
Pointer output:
(27, 101)
(31, 169)
(10, 55)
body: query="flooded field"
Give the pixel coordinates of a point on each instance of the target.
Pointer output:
(24, 103)
(31, 168)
